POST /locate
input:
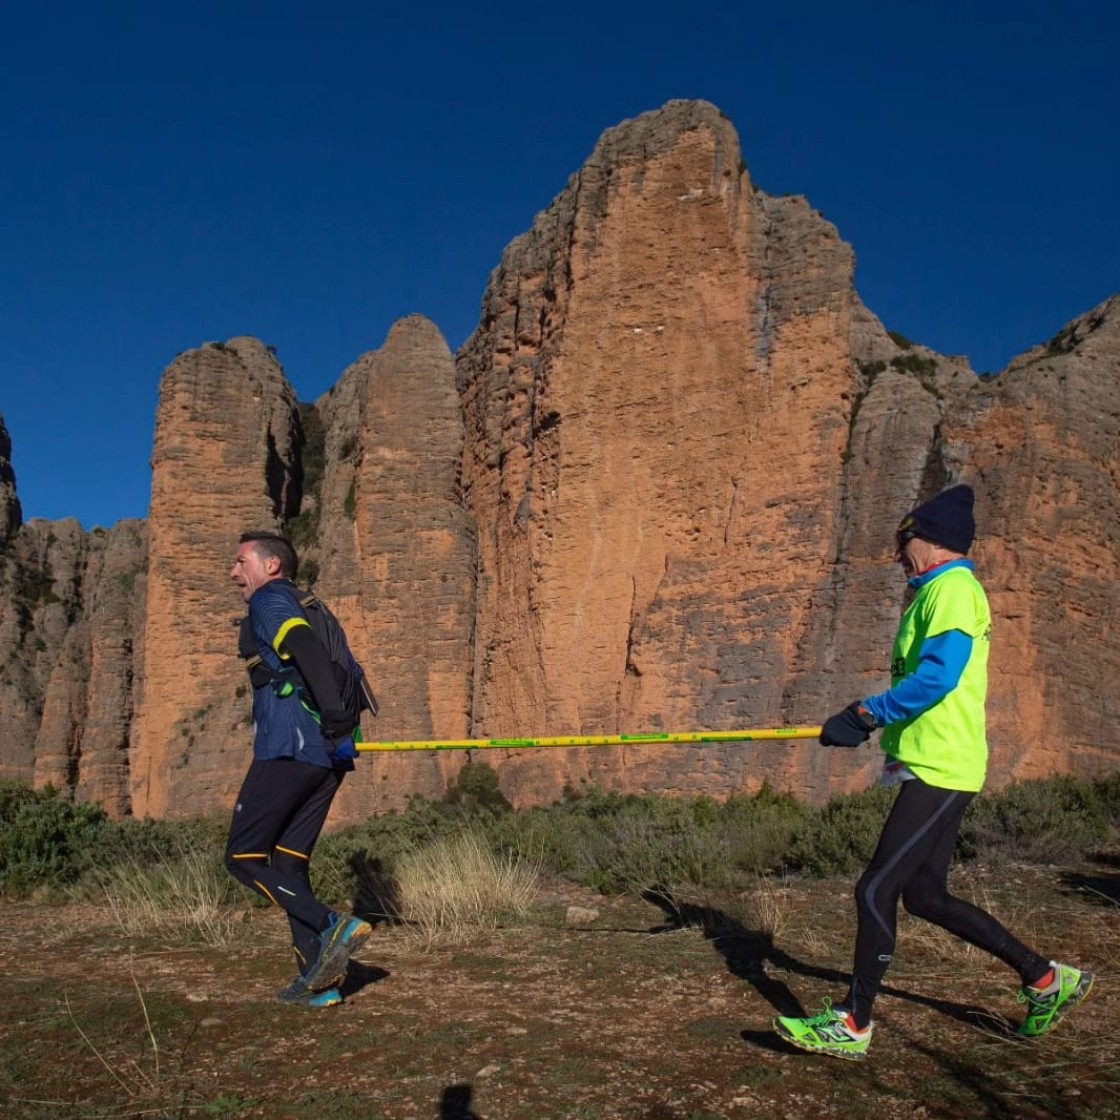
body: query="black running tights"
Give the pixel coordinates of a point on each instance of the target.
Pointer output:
(912, 862)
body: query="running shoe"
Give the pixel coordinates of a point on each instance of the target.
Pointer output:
(826, 1033)
(341, 938)
(298, 992)
(1047, 1007)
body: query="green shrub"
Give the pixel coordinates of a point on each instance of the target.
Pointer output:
(619, 843)
(609, 841)
(915, 363)
(762, 829)
(1043, 821)
(1107, 792)
(841, 837)
(46, 842)
(13, 795)
(477, 787)
(148, 842)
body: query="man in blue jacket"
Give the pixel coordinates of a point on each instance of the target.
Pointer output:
(936, 749)
(303, 747)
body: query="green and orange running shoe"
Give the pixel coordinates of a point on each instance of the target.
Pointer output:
(826, 1033)
(1046, 1007)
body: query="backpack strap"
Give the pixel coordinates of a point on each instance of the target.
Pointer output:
(259, 670)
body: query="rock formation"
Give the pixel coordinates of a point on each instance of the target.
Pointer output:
(1042, 442)
(396, 552)
(655, 490)
(71, 632)
(11, 516)
(681, 504)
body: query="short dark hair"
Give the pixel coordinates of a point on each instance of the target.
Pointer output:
(272, 544)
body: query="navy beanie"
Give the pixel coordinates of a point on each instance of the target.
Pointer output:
(945, 520)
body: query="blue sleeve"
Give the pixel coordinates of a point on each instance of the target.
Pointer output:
(940, 665)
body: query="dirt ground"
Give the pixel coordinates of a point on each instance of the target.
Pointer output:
(653, 1011)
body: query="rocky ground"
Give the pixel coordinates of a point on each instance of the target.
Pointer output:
(650, 1011)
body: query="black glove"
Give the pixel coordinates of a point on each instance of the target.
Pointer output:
(848, 728)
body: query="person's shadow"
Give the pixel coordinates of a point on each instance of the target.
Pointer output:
(377, 897)
(377, 900)
(747, 953)
(455, 1104)
(359, 976)
(1104, 888)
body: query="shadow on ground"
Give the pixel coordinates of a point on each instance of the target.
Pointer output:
(455, 1104)
(747, 953)
(1104, 888)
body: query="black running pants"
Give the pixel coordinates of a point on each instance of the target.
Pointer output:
(279, 814)
(912, 862)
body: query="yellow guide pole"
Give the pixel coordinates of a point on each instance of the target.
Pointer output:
(596, 740)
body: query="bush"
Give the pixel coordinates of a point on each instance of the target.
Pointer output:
(618, 843)
(13, 795)
(148, 842)
(613, 842)
(356, 867)
(841, 837)
(187, 892)
(477, 787)
(46, 842)
(1041, 821)
(1107, 793)
(915, 363)
(762, 829)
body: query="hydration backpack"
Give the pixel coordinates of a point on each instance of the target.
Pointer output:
(353, 687)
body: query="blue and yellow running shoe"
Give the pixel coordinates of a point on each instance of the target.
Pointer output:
(826, 1033)
(1046, 1007)
(336, 943)
(298, 992)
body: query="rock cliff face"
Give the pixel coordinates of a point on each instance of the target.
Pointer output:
(71, 632)
(686, 465)
(656, 490)
(397, 553)
(226, 459)
(1043, 443)
(11, 516)
(365, 481)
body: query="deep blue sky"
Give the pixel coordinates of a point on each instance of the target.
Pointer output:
(309, 173)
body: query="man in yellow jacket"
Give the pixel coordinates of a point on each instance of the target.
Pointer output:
(936, 751)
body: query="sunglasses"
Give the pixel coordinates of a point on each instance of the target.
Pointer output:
(903, 537)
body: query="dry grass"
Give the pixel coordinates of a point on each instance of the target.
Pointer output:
(186, 895)
(455, 886)
(770, 907)
(1018, 914)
